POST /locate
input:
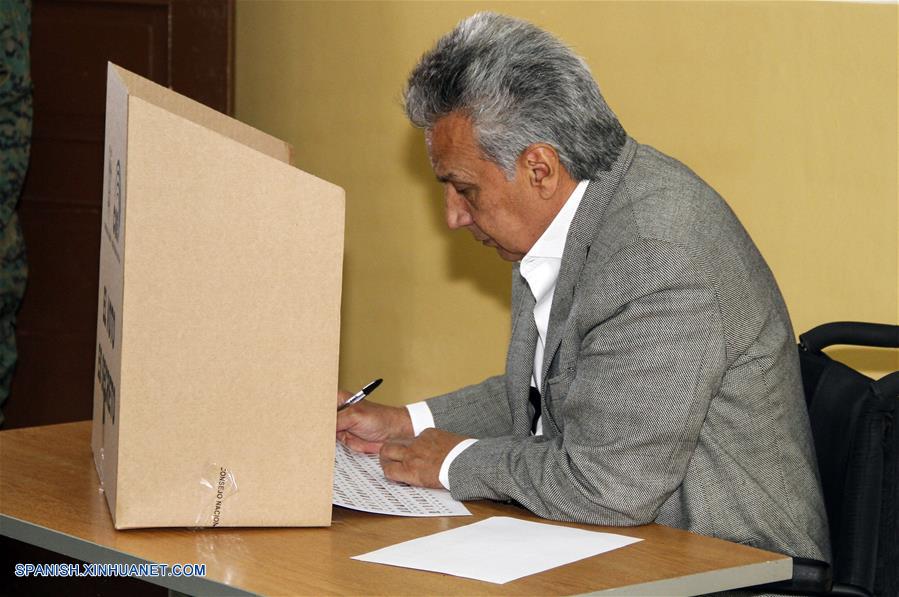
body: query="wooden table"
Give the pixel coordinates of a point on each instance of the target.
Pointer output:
(50, 497)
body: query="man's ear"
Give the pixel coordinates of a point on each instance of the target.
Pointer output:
(541, 165)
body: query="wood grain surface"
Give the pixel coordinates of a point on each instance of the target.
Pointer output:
(49, 480)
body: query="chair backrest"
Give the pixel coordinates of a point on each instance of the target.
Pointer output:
(853, 421)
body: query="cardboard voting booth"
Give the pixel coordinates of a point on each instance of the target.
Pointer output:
(218, 320)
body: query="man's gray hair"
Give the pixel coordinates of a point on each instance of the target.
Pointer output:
(519, 85)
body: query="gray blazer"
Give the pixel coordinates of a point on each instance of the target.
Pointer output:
(672, 390)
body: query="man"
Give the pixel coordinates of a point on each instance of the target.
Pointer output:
(651, 373)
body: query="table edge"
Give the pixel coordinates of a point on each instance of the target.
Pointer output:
(711, 581)
(88, 551)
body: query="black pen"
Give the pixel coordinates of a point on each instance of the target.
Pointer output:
(361, 394)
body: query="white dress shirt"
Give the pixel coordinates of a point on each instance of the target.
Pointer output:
(540, 269)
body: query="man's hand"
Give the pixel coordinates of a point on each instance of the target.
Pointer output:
(417, 461)
(366, 425)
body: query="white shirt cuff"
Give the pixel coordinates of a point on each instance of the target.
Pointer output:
(443, 476)
(421, 416)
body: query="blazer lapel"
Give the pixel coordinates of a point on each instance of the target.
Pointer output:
(520, 360)
(577, 248)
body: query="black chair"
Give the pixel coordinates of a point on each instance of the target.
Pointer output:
(853, 421)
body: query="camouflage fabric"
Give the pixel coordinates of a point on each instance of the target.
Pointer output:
(15, 142)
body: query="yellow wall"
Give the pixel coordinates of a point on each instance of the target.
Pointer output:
(788, 110)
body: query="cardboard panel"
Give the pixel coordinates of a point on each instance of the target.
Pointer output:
(204, 116)
(107, 364)
(227, 310)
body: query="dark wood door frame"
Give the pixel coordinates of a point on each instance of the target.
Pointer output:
(187, 45)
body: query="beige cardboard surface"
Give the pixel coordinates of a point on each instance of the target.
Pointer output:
(228, 325)
(107, 379)
(203, 115)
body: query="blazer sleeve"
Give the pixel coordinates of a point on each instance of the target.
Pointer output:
(481, 410)
(651, 357)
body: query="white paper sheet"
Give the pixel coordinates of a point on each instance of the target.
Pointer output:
(498, 549)
(359, 483)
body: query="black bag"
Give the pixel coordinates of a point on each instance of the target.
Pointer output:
(853, 421)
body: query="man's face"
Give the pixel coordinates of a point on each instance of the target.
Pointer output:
(497, 211)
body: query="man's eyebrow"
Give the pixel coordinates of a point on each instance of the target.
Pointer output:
(452, 177)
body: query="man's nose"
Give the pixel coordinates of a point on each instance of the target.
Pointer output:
(457, 214)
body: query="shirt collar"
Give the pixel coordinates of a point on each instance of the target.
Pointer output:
(551, 243)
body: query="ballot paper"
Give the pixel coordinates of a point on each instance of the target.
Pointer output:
(359, 483)
(498, 550)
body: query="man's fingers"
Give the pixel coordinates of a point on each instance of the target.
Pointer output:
(349, 418)
(358, 444)
(418, 461)
(395, 451)
(345, 420)
(395, 471)
(342, 396)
